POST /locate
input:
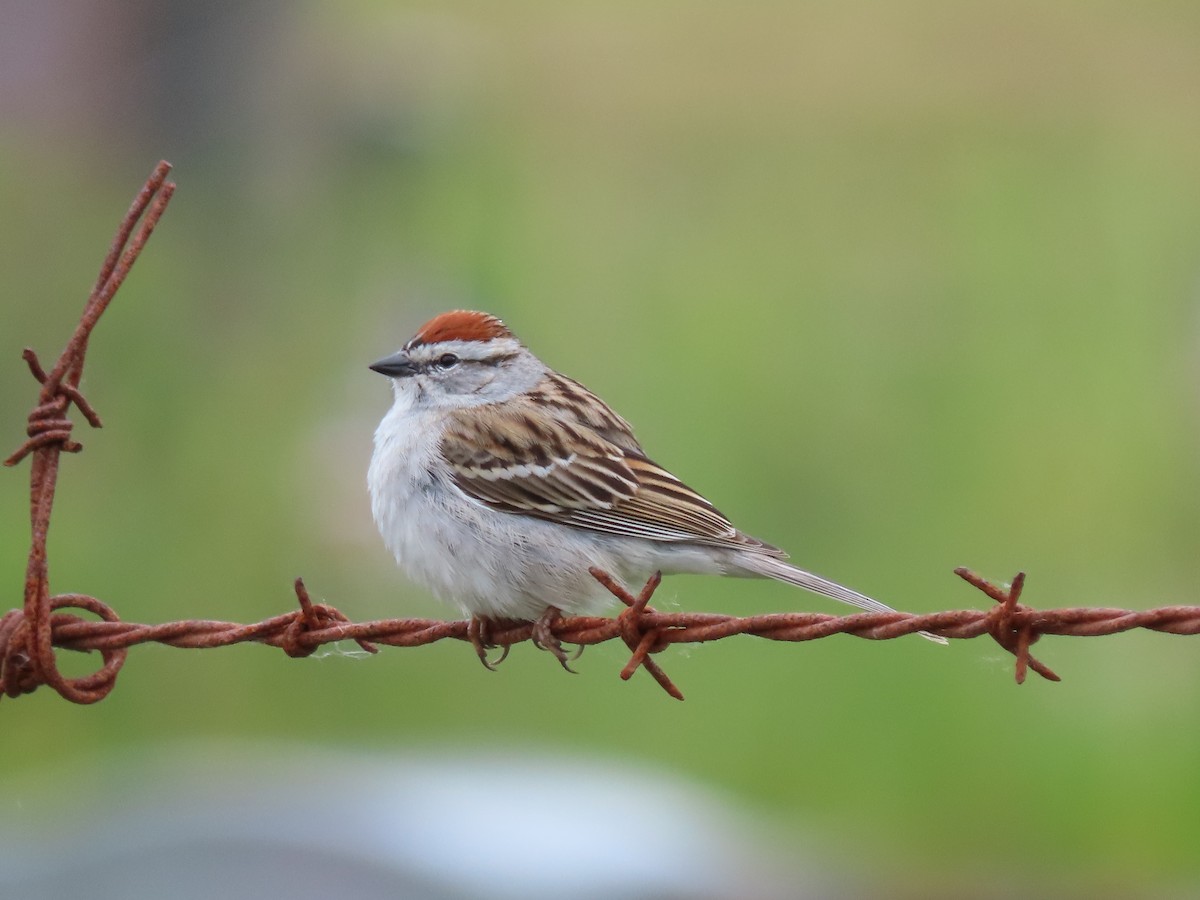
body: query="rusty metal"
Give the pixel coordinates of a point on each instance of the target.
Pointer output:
(30, 635)
(26, 635)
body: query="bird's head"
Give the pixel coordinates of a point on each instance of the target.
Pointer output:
(461, 358)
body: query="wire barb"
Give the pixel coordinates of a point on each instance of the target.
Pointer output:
(1009, 626)
(641, 640)
(313, 617)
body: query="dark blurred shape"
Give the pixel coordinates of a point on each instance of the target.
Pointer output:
(175, 73)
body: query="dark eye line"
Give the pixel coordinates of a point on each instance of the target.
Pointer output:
(451, 360)
(497, 359)
(443, 363)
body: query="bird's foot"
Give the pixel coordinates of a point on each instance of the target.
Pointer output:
(544, 638)
(479, 633)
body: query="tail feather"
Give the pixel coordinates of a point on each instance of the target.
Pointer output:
(772, 567)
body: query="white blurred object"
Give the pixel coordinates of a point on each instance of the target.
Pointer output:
(232, 821)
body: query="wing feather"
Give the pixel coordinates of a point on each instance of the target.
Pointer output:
(561, 454)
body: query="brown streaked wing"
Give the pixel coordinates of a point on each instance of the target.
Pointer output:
(563, 468)
(567, 399)
(666, 509)
(518, 461)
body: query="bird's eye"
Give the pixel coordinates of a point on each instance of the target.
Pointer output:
(447, 360)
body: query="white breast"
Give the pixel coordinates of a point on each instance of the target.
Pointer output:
(400, 474)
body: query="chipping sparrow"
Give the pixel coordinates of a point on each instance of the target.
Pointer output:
(497, 482)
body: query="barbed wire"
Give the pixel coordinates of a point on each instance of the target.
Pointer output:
(30, 635)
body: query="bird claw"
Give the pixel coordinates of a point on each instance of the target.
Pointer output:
(544, 638)
(479, 634)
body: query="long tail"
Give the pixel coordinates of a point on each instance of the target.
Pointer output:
(772, 567)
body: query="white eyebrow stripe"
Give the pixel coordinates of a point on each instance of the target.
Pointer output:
(476, 351)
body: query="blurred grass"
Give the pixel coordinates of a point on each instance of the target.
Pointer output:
(901, 287)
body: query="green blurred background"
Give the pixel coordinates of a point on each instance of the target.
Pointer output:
(899, 286)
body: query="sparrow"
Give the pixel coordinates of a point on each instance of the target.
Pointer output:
(497, 482)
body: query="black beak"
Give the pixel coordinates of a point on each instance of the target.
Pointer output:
(398, 365)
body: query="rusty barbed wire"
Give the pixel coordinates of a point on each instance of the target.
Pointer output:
(30, 635)
(26, 635)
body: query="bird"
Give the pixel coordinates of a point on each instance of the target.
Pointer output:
(497, 483)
